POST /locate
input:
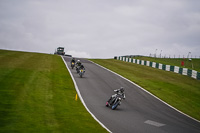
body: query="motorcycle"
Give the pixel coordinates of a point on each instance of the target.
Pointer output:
(115, 100)
(72, 65)
(77, 69)
(81, 72)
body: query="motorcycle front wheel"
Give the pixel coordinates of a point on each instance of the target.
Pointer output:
(77, 70)
(115, 105)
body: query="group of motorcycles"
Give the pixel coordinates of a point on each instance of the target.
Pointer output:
(115, 100)
(79, 67)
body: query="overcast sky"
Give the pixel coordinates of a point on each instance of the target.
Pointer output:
(102, 28)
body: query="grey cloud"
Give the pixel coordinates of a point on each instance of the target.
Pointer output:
(101, 28)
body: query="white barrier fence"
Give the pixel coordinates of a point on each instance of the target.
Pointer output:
(176, 69)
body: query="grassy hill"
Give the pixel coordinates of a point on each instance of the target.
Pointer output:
(182, 92)
(193, 64)
(37, 95)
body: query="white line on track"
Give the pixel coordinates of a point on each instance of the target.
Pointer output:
(79, 94)
(148, 92)
(154, 123)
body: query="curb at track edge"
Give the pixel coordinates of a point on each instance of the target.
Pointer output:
(146, 92)
(79, 94)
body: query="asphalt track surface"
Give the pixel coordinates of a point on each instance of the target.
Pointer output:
(139, 112)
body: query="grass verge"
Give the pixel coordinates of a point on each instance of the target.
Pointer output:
(182, 92)
(37, 95)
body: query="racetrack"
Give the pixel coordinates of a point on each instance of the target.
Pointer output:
(139, 112)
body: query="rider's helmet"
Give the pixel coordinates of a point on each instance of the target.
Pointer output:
(78, 61)
(122, 89)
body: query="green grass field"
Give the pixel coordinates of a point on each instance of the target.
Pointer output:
(182, 92)
(193, 64)
(37, 95)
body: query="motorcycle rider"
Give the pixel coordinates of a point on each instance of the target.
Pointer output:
(82, 67)
(119, 92)
(81, 70)
(78, 64)
(72, 61)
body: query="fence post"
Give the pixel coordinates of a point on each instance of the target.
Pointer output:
(189, 73)
(185, 71)
(153, 64)
(198, 75)
(163, 67)
(157, 65)
(180, 71)
(176, 69)
(172, 68)
(167, 68)
(194, 74)
(150, 64)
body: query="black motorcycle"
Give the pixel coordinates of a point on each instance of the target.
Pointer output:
(77, 69)
(72, 65)
(81, 72)
(116, 99)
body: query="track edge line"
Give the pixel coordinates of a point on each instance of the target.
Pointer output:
(79, 94)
